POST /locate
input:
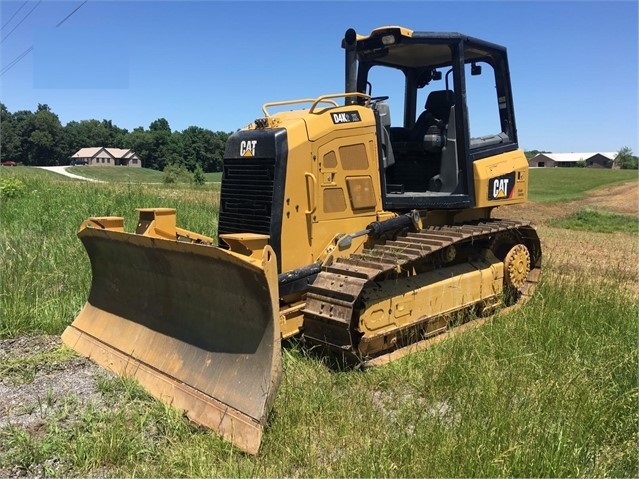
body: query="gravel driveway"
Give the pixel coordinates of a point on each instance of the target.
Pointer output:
(62, 170)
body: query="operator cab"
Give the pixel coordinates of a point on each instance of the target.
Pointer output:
(451, 104)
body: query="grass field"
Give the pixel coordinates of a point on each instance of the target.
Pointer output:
(601, 221)
(566, 184)
(128, 175)
(547, 184)
(548, 390)
(46, 274)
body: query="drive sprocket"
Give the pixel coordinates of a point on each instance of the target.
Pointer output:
(517, 266)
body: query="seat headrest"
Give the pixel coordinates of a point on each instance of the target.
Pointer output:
(439, 103)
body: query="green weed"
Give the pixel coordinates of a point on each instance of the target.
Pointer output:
(600, 221)
(23, 370)
(11, 188)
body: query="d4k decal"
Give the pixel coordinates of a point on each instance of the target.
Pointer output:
(345, 117)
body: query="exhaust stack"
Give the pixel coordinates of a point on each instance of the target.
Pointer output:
(350, 46)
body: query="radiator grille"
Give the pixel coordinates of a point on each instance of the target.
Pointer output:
(247, 196)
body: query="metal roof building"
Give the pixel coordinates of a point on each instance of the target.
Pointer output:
(592, 159)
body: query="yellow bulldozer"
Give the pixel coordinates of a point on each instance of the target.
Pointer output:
(361, 236)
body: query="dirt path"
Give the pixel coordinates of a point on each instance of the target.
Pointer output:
(587, 254)
(62, 170)
(622, 199)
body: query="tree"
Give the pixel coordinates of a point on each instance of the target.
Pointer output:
(163, 148)
(84, 134)
(531, 153)
(90, 133)
(174, 173)
(160, 125)
(40, 139)
(44, 143)
(203, 147)
(626, 160)
(141, 142)
(23, 126)
(217, 145)
(10, 144)
(198, 176)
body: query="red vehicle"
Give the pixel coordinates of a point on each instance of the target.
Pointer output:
(8, 163)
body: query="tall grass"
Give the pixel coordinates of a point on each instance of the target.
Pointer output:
(548, 390)
(45, 273)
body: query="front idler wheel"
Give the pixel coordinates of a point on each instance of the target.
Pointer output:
(517, 267)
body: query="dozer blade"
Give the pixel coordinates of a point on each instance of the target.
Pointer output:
(196, 325)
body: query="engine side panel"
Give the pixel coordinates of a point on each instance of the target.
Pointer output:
(501, 179)
(302, 179)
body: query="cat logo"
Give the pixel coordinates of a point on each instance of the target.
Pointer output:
(247, 147)
(501, 187)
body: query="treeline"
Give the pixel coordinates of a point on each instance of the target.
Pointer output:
(532, 153)
(39, 139)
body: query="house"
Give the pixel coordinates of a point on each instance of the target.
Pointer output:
(567, 160)
(101, 156)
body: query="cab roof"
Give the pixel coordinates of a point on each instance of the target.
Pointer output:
(401, 47)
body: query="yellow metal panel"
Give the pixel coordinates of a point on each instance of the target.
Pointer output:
(196, 325)
(334, 200)
(322, 144)
(309, 225)
(360, 192)
(323, 123)
(296, 237)
(354, 157)
(405, 32)
(501, 179)
(330, 160)
(405, 301)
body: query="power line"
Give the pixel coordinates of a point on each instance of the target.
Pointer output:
(15, 13)
(69, 15)
(16, 60)
(20, 22)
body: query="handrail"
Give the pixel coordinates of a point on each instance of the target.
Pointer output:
(292, 102)
(315, 101)
(310, 192)
(325, 98)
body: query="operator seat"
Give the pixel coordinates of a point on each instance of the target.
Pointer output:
(430, 127)
(383, 110)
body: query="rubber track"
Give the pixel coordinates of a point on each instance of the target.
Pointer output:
(331, 299)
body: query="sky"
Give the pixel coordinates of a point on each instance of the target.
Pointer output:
(213, 64)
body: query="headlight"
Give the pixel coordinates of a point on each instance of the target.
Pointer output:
(388, 39)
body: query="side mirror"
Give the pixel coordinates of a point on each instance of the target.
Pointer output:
(475, 69)
(426, 76)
